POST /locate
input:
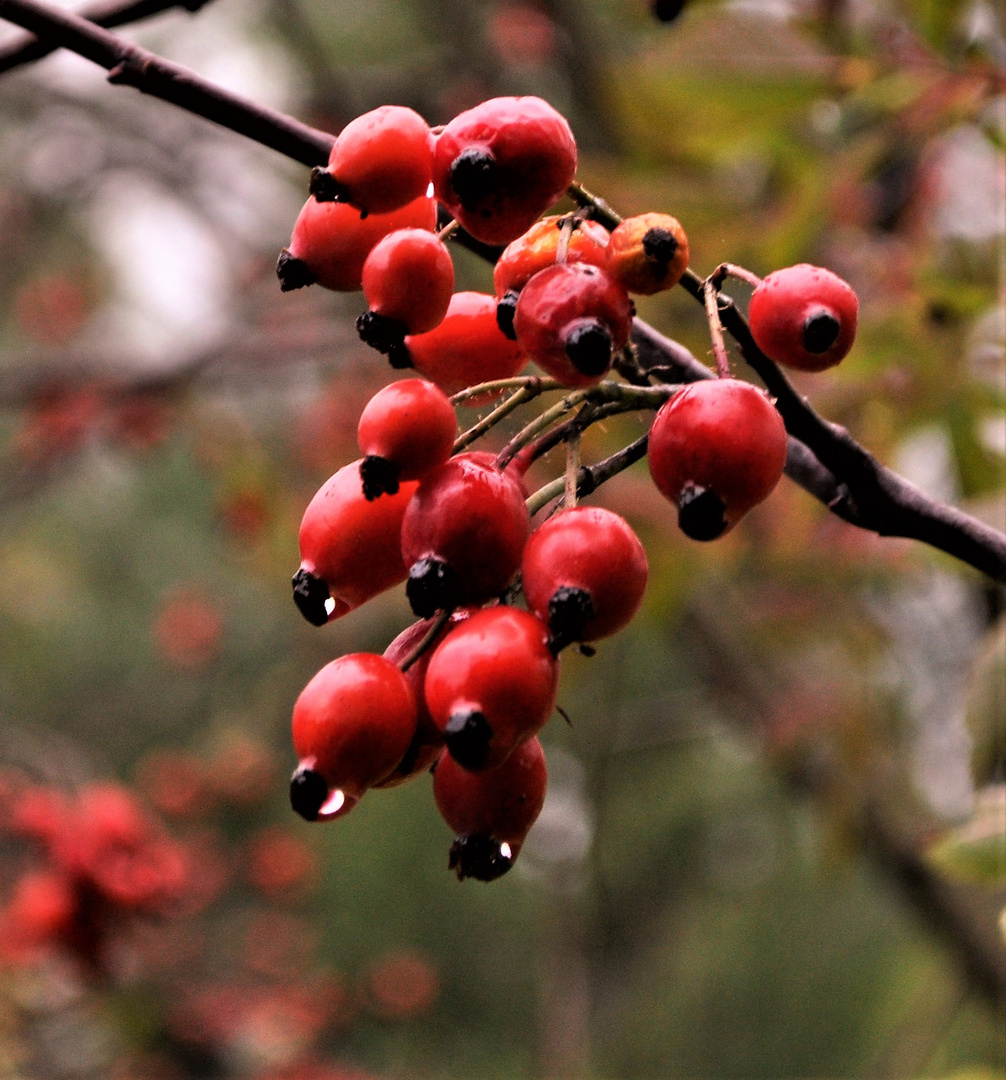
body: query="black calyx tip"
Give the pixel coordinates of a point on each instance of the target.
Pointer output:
(569, 611)
(589, 348)
(701, 513)
(311, 596)
(468, 735)
(308, 792)
(399, 357)
(820, 331)
(325, 188)
(379, 476)
(432, 586)
(506, 307)
(293, 273)
(381, 332)
(478, 856)
(668, 10)
(473, 176)
(660, 246)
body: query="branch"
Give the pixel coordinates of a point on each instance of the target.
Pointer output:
(130, 65)
(27, 48)
(833, 467)
(868, 494)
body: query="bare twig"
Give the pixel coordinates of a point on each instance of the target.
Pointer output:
(28, 48)
(130, 65)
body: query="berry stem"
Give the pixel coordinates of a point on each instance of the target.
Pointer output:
(572, 468)
(439, 622)
(600, 210)
(448, 230)
(715, 328)
(565, 233)
(541, 384)
(590, 477)
(525, 393)
(725, 270)
(614, 397)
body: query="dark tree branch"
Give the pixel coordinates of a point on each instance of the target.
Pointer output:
(835, 468)
(28, 48)
(151, 74)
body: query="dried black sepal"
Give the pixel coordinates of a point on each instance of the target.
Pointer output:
(293, 273)
(701, 513)
(478, 856)
(381, 332)
(820, 331)
(325, 188)
(468, 735)
(660, 246)
(473, 176)
(379, 476)
(569, 611)
(308, 792)
(506, 308)
(432, 586)
(311, 596)
(589, 348)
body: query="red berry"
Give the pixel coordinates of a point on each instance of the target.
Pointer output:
(571, 319)
(380, 161)
(350, 547)
(331, 242)
(537, 249)
(352, 724)
(716, 449)
(467, 348)
(491, 812)
(491, 684)
(408, 280)
(804, 317)
(40, 913)
(429, 739)
(116, 849)
(584, 573)
(463, 534)
(648, 253)
(406, 430)
(502, 164)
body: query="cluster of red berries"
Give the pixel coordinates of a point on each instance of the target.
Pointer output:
(103, 859)
(466, 689)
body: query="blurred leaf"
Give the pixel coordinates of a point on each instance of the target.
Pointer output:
(985, 709)
(976, 851)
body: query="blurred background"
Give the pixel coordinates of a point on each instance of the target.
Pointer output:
(775, 837)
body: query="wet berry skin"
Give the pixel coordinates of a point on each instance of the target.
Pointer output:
(465, 527)
(428, 740)
(331, 242)
(716, 449)
(584, 573)
(409, 278)
(500, 165)
(572, 318)
(350, 546)
(409, 428)
(382, 160)
(491, 684)
(352, 725)
(804, 317)
(467, 348)
(491, 812)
